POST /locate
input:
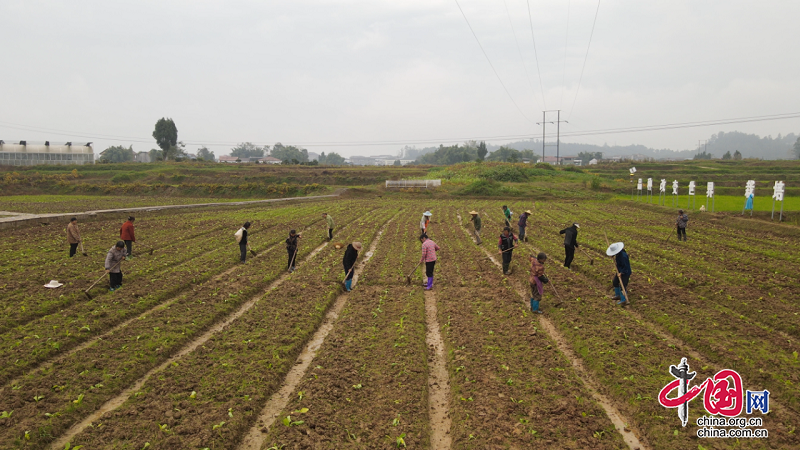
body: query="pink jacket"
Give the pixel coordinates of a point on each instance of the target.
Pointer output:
(429, 249)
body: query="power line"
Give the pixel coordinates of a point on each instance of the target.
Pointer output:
(584, 60)
(605, 131)
(519, 50)
(564, 72)
(536, 55)
(490, 63)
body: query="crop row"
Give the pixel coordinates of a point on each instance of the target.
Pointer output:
(118, 359)
(211, 397)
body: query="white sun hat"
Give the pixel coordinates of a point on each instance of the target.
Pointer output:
(576, 225)
(53, 284)
(615, 248)
(427, 213)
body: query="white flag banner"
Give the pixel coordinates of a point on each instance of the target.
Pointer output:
(675, 187)
(777, 191)
(639, 185)
(649, 185)
(750, 188)
(710, 189)
(691, 188)
(663, 186)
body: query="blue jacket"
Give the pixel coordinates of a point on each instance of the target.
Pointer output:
(623, 263)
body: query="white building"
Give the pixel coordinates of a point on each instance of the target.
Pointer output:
(142, 157)
(24, 154)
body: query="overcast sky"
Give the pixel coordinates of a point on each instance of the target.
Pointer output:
(303, 72)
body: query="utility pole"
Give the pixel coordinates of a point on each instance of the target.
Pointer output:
(705, 144)
(544, 123)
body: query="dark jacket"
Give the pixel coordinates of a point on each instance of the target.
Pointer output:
(350, 256)
(507, 242)
(523, 220)
(623, 263)
(291, 243)
(682, 220)
(570, 236)
(114, 257)
(243, 241)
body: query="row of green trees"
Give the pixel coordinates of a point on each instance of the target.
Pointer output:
(474, 151)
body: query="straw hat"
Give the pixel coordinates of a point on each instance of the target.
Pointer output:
(615, 248)
(528, 211)
(53, 284)
(576, 225)
(474, 213)
(357, 246)
(427, 213)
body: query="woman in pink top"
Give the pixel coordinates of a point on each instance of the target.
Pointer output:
(429, 249)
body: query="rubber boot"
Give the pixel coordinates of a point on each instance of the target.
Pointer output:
(430, 284)
(617, 294)
(505, 269)
(347, 285)
(622, 299)
(535, 306)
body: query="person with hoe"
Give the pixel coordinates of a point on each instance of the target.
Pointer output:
(329, 220)
(623, 265)
(570, 243)
(73, 236)
(537, 281)
(429, 249)
(349, 262)
(476, 222)
(507, 214)
(291, 249)
(508, 242)
(126, 234)
(114, 259)
(426, 220)
(244, 245)
(522, 224)
(680, 224)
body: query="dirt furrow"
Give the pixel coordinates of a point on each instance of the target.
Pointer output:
(438, 379)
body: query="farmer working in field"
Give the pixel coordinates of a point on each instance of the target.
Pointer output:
(244, 245)
(114, 260)
(508, 242)
(73, 236)
(349, 262)
(291, 249)
(623, 263)
(426, 220)
(680, 224)
(570, 243)
(476, 222)
(537, 281)
(522, 224)
(329, 221)
(126, 234)
(429, 249)
(507, 214)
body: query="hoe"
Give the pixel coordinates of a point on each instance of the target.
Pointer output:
(86, 292)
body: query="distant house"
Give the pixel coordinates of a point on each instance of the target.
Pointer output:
(362, 161)
(593, 161)
(229, 159)
(142, 157)
(312, 156)
(269, 160)
(565, 160)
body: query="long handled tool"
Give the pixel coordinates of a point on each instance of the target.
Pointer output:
(252, 252)
(408, 277)
(560, 300)
(591, 260)
(670, 235)
(348, 273)
(86, 292)
(293, 257)
(83, 252)
(619, 276)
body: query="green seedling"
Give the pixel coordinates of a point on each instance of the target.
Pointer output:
(287, 421)
(350, 435)
(193, 394)
(163, 428)
(300, 395)
(230, 412)
(27, 435)
(401, 441)
(79, 400)
(6, 414)
(357, 386)
(146, 444)
(395, 422)
(218, 426)
(36, 398)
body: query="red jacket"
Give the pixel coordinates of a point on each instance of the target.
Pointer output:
(126, 232)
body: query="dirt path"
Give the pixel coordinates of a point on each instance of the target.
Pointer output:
(117, 401)
(278, 401)
(438, 380)
(621, 423)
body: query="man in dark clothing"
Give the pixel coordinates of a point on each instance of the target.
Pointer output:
(291, 249)
(623, 263)
(349, 261)
(241, 236)
(570, 243)
(522, 224)
(506, 246)
(680, 224)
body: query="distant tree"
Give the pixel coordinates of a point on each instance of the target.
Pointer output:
(175, 152)
(204, 153)
(737, 155)
(703, 155)
(505, 154)
(117, 154)
(796, 149)
(529, 154)
(585, 157)
(727, 155)
(289, 153)
(166, 136)
(482, 151)
(156, 155)
(449, 155)
(248, 150)
(331, 159)
(397, 163)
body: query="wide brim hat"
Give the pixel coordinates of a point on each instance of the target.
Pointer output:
(427, 213)
(615, 248)
(474, 213)
(576, 225)
(528, 211)
(53, 284)
(357, 246)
